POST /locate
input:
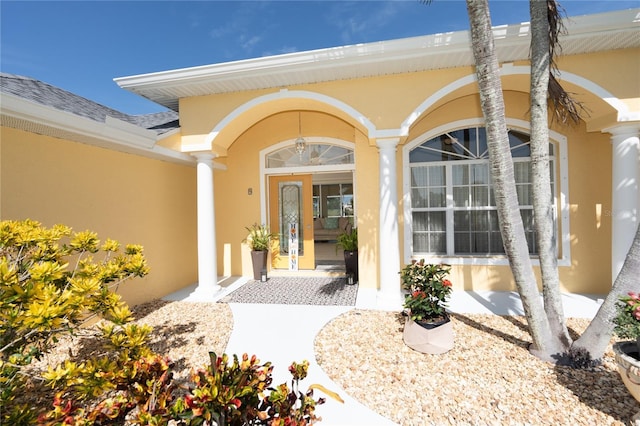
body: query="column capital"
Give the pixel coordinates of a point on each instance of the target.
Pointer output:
(387, 143)
(631, 128)
(203, 156)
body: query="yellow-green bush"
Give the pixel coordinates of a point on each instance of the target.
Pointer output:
(52, 282)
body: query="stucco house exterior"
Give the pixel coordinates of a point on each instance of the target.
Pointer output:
(388, 135)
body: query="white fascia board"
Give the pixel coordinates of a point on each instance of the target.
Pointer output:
(362, 54)
(302, 61)
(114, 134)
(134, 135)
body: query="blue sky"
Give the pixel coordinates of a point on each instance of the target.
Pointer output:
(81, 46)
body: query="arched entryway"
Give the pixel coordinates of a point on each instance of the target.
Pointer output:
(308, 199)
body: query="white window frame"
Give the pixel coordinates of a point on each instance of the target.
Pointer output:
(562, 191)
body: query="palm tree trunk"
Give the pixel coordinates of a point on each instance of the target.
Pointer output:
(501, 166)
(596, 337)
(540, 172)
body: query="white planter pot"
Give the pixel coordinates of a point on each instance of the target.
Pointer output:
(629, 369)
(436, 340)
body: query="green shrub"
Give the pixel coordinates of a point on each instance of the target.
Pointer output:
(52, 282)
(42, 298)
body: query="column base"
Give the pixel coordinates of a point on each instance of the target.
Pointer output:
(203, 293)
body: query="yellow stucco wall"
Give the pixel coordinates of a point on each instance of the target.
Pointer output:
(121, 196)
(386, 102)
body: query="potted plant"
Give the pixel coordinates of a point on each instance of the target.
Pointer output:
(627, 352)
(259, 240)
(428, 328)
(348, 242)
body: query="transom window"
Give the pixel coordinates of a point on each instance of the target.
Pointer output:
(453, 209)
(315, 154)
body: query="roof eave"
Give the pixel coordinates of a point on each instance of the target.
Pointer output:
(112, 134)
(512, 43)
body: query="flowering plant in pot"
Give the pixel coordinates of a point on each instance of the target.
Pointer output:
(428, 290)
(627, 352)
(627, 320)
(428, 328)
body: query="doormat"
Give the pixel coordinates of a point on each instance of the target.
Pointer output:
(296, 291)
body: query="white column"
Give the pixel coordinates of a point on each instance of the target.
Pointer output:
(625, 205)
(389, 295)
(207, 258)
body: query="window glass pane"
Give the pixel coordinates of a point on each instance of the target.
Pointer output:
(521, 151)
(479, 220)
(479, 196)
(461, 221)
(421, 155)
(429, 232)
(527, 219)
(496, 243)
(522, 171)
(436, 221)
(437, 197)
(419, 197)
(518, 138)
(347, 205)
(479, 174)
(525, 195)
(315, 154)
(462, 243)
(437, 176)
(419, 176)
(437, 243)
(482, 143)
(460, 174)
(461, 196)
(493, 221)
(480, 242)
(333, 206)
(420, 242)
(316, 207)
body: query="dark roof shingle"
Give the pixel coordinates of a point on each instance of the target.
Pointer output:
(48, 95)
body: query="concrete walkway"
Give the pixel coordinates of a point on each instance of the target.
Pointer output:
(285, 333)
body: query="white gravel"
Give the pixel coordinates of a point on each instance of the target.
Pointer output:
(488, 378)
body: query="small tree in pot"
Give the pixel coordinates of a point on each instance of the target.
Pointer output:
(348, 242)
(259, 240)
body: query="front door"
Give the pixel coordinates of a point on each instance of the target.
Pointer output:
(290, 203)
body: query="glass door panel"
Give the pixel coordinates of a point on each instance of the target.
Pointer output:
(291, 203)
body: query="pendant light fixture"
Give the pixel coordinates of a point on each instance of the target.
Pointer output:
(301, 144)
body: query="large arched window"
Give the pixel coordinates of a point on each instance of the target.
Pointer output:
(452, 204)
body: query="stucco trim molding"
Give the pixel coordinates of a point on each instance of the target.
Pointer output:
(288, 94)
(623, 112)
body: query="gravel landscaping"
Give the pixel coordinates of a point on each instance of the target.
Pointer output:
(489, 378)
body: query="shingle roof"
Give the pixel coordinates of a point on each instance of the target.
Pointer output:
(48, 95)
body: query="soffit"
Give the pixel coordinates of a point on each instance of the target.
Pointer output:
(585, 34)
